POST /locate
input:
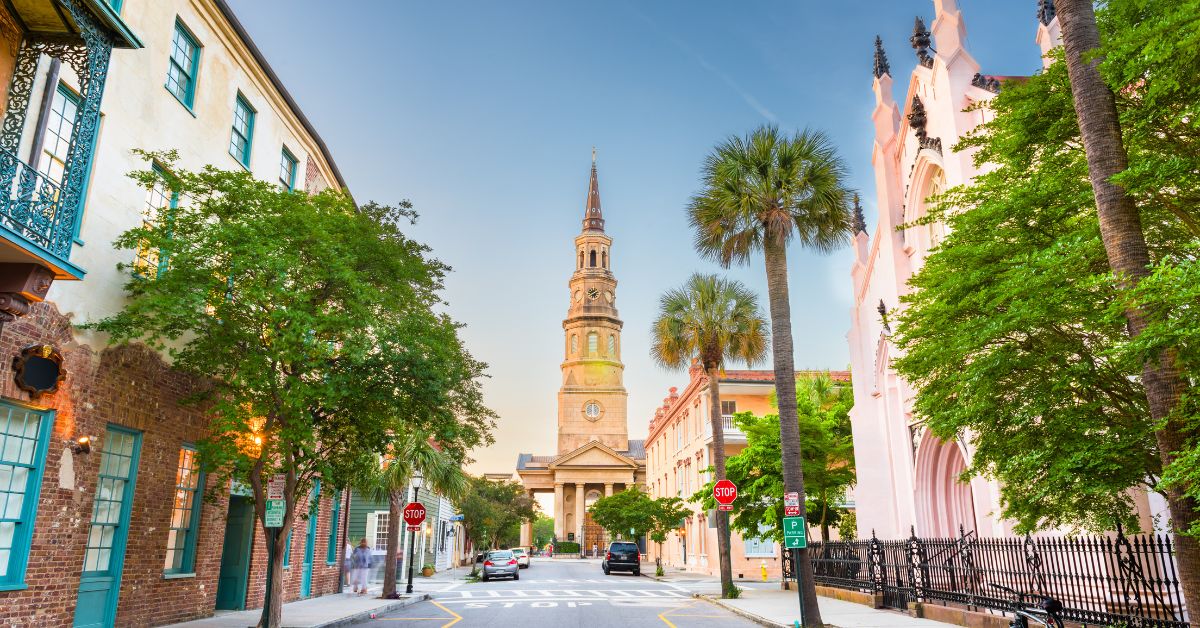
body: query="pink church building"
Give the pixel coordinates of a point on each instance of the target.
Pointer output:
(907, 478)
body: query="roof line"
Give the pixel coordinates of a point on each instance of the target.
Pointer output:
(227, 12)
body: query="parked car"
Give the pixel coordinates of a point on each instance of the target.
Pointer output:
(501, 563)
(622, 556)
(522, 557)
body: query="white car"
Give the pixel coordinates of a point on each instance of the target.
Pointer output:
(522, 557)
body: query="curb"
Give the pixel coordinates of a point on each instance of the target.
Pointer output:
(379, 610)
(762, 621)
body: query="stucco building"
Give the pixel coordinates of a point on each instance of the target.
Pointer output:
(595, 456)
(678, 450)
(907, 478)
(101, 521)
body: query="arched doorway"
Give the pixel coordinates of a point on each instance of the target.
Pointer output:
(593, 534)
(943, 501)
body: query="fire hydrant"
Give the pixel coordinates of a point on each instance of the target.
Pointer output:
(764, 570)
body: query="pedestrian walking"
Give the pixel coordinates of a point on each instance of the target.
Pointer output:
(595, 551)
(360, 564)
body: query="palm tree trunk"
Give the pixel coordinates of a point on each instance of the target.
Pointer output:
(393, 542)
(1129, 258)
(718, 456)
(785, 392)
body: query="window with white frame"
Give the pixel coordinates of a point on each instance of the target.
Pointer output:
(758, 547)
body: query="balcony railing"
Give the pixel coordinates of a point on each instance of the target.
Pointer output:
(32, 206)
(730, 426)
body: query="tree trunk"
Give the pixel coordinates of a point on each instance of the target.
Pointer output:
(274, 619)
(718, 456)
(393, 543)
(1129, 258)
(785, 392)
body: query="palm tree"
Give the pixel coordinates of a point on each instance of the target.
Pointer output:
(1129, 258)
(412, 453)
(711, 320)
(760, 193)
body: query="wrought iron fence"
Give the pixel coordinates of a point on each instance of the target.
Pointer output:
(1114, 579)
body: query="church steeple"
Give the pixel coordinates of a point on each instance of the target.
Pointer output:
(593, 218)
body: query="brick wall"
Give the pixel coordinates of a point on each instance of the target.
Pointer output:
(324, 578)
(129, 386)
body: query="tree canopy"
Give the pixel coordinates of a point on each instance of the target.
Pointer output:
(493, 512)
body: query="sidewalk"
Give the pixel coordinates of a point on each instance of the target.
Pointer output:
(774, 607)
(336, 609)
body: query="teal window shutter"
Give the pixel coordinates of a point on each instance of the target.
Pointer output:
(288, 165)
(24, 438)
(241, 139)
(185, 514)
(334, 519)
(184, 65)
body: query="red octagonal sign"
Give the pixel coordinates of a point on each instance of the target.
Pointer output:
(725, 492)
(414, 514)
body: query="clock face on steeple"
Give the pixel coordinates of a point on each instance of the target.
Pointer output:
(593, 293)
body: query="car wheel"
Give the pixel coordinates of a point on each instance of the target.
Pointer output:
(637, 572)
(484, 578)
(606, 572)
(517, 576)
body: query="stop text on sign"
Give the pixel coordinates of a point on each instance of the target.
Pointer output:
(414, 514)
(725, 492)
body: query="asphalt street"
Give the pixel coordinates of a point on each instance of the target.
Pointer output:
(556, 593)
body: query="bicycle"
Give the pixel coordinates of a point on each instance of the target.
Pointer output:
(1047, 612)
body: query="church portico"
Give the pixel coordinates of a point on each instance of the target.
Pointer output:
(595, 457)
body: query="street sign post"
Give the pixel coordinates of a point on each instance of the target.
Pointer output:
(414, 514)
(276, 485)
(274, 513)
(725, 492)
(795, 538)
(795, 533)
(791, 504)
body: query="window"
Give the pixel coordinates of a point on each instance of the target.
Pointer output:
(331, 547)
(287, 170)
(381, 531)
(581, 259)
(185, 61)
(574, 343)
(24, 437)
(604, 259)
(185, 514)
(147, 261)
(592, 259)
(243, 131)
(60, 128)
(593, 342)
(110, 509)
(728, 408)
(758, 547)
(612, 345)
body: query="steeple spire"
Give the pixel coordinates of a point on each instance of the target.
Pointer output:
(1046, 11)
(860, 221)
(881, 60)
(921, 40)
(593, 219)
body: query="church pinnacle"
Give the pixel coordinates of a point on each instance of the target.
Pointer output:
(593, 218)
(881, 60)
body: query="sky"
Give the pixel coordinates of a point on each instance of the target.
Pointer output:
(484, 115)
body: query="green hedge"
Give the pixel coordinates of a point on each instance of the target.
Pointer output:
(566, 547)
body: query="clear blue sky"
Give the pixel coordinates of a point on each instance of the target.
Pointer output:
(484, 113)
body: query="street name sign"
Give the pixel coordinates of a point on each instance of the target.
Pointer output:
(414, 514)
(274, 513)
(413, 528)
(795, 533)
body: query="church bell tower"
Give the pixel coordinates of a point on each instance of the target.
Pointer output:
(592, 403)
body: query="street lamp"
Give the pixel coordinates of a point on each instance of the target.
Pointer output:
(412, 538)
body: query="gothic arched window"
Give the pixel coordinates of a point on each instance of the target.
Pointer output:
(593, 343)
(581, 259)
(592, 262)
(604, 259)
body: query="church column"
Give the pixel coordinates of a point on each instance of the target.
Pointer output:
(608, 489)
(579, 514)
(559, 512)
(527, 526)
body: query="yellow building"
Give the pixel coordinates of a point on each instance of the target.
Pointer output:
(595, 456)
(679, 449)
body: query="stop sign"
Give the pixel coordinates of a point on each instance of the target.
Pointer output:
(414, 514)
(725, 492)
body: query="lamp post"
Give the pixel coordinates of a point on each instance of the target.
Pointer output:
(412, 538)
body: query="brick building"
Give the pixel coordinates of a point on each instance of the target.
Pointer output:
(102, 520)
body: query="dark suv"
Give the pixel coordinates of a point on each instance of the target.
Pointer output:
(622, 556)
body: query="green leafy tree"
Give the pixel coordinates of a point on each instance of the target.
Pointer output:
(412, 454)
(669, 514)
(762, 192)
(543, 531)
(310, 319)
(635, 514)
(493, 511)
(711, 320)
(824, 421)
